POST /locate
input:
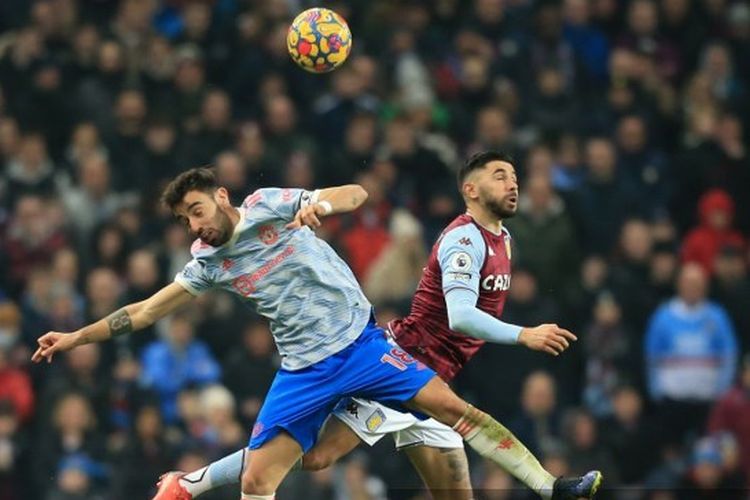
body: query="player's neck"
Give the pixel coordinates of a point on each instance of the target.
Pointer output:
(234, 215)
(486, 219)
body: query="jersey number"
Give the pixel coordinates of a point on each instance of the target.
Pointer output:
(397, 358)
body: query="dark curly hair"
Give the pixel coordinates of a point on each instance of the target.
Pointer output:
(479, 160)
(195, 179)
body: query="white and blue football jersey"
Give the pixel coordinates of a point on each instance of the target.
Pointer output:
(311, 298)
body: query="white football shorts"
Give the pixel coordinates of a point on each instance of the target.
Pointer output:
(371, 421)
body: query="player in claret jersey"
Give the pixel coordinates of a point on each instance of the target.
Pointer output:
(455, 310)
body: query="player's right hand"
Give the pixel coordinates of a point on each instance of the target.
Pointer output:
(548, 338)
(52, 342)
(307, 216)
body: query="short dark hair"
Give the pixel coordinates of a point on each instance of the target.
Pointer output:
(479, 160)
(195, 179)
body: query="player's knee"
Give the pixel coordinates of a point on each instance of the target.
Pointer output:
(253, 483)
(451, 410)
(317, 460)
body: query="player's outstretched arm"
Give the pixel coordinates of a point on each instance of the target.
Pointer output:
(329, 201)
(465, 317)
(121, 322)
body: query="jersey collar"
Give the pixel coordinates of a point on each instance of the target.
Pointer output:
(500, 233)
(237, 228)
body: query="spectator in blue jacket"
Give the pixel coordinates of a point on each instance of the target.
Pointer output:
(691, 354)
(176, 362)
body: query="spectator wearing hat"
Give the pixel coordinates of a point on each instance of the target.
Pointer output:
(702, 244)
(706, 477)
(76, 479)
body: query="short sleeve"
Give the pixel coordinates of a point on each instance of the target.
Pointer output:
(194, 277)
(461, 253)
(284, 202)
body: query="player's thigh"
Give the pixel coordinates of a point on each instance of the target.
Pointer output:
(266, 467)
(439, 401)
(445, 471)
(336, 439)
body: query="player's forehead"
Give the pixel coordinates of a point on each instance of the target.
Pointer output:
(499, 166)
(192, 201)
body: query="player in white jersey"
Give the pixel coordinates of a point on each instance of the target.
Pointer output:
(321, 321)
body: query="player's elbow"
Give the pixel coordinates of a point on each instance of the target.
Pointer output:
(458, 319)
(359, 195)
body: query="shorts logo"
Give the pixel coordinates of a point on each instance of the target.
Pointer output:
(353, 409)
(461, 261)
(268, 234)
(286, 195)
(227, 264)
(257, 429)
(375, 420)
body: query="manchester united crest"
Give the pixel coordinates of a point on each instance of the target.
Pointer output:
(268, 234)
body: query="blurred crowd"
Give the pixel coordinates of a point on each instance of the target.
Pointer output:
(629, 122)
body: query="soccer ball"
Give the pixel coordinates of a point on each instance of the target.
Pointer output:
(319, 40)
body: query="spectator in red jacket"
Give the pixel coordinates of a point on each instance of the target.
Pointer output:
(716, 214)
(15, 386)
(732, 413)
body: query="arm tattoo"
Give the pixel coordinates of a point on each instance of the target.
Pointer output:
(119, 323)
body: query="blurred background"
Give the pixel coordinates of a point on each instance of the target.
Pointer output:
(629, 124)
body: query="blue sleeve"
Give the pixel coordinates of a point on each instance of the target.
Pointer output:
(194, 277)
(728, 350)
(653, 347)
(465, 317)
(284, 202)
(461, 254)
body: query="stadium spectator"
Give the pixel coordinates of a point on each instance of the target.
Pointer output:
(630, 436)
(544, 237)
(248, 372)
(731, 288)
(691, 355)
(175, 363)
(15, 387)
(609, 354)
(586, 447)
(702, 244)
(538, 420)
(604, 199)
(732, 412)
(74, 435)
(30, 241)
(146, 454)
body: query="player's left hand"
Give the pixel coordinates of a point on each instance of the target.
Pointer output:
(307, 216)
(548, 338)
(53, 342)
